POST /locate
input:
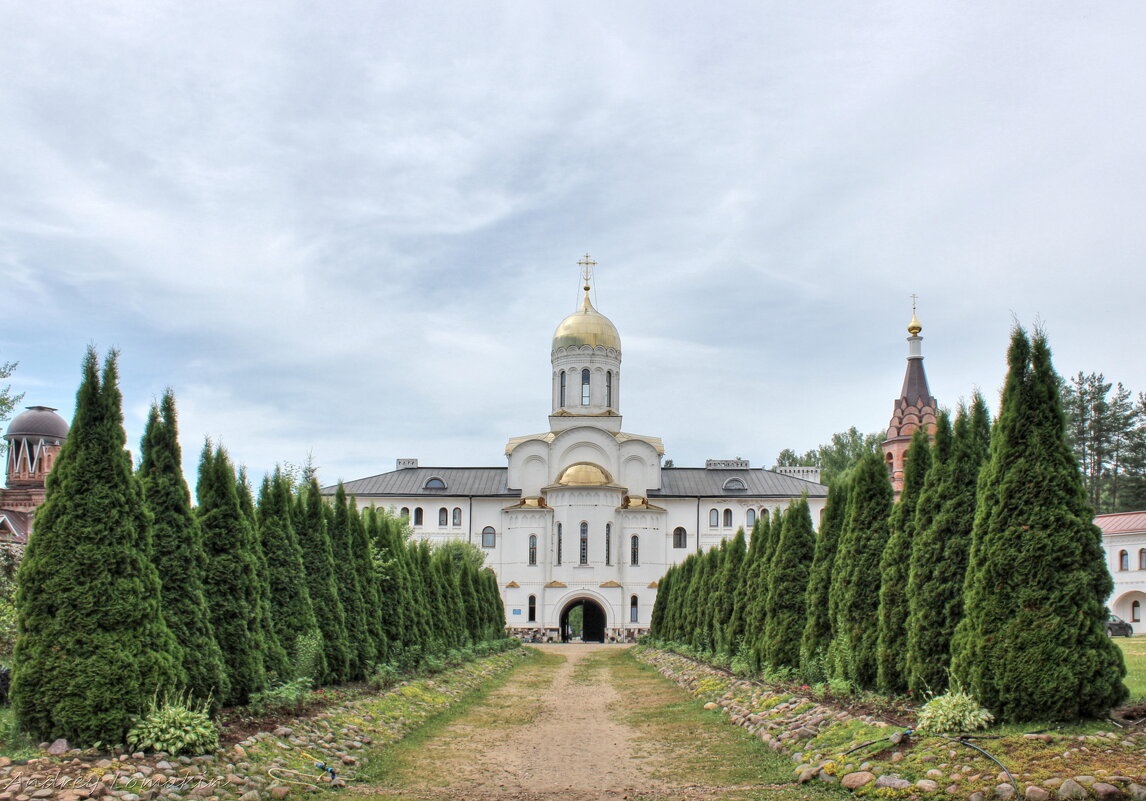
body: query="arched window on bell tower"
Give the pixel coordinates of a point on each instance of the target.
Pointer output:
(563, 378)
(609, 389)
(585, 387)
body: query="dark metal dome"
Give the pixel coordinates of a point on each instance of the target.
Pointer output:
(38, 421)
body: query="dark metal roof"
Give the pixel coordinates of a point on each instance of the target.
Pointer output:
(915, 387)
(14, 526)
(38, 421)
(476, 481)
(703, 482)
(676, 482)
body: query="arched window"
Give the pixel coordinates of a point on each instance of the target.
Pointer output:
(558, 543)
(418, 516)
(562, 388)
(635, 550)
(713, 518)
(435, 483)
(633, 611)
(488, 537)
(609, 389)
(1135, 612)
(679, 538)
(1123, 560)
(457, 515)
(585, 387)
(751, 518)
(890, 465)
(728, 518)
(1142, 558)
(532, 609)
(405, 512)
(735, 484)
(533, 549)
(584, 544)
(608, 543)
(443, 517)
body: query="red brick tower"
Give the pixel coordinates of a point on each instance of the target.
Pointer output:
(34, 439)
(915, 407)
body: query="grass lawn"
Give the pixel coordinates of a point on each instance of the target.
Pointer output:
(1134, 649)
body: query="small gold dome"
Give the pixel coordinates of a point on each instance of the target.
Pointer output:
(583, 474)
(914, 327)
(586, 326)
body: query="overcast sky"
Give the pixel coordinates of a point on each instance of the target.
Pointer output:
(350, 229)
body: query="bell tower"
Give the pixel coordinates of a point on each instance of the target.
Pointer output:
(915, 407)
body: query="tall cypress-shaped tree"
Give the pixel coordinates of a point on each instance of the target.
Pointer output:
(675, 619)
(318, 559)
(230, 576)
(895, 565)
(787, 594)
(360, 638)
(361, 551)
(939, 557)
(756, 615)
(818, 625)
(276, 661)
(178, 554)
(706, 628)
(663, 600)
(854, 595)
(93, 646)
(1032, 643)
(742, 599)
(292, 613)
(725, 595)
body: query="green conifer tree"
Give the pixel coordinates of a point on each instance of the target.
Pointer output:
(318, 559)
(787, 593)
(93, 646)
(725, 595)
(276, 661)
(818, 624)
(895, 564)
(1032, 643)
(663, 600)
(363, 527)
(756, 615)
(292, 614)
(178, 555)
(742, 599)
(854, 594)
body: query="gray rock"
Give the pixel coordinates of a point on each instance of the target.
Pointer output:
(250, 795)
(927, 785)
(978, 795)
(892, 782)
(857, 779)
(1004, 791)
(1072, 789)
(1136, 791)
(1033, 793)
(1106, 792)
(807, 775)
(934, 773)
(1087, 780)
(58, 748)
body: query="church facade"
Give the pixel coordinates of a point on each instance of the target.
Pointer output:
(585, 514)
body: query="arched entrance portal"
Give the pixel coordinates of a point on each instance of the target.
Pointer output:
(592, 620)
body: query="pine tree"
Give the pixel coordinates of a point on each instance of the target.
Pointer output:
(292, 613)
(93, 647)
(318, 559)
(939, 557)
(787, 594)
(230, 577)
(895, 564)
(817, 633)
(178, 555)
(854, 594)
(276, 661)
(1032, 643)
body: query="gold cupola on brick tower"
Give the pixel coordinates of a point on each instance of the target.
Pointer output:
(915, 407)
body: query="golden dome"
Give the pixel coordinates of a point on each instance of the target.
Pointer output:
(914, 327)
(586, 327)
(583, 474)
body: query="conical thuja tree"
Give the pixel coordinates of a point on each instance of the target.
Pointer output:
(178, 554)
(854, 594)
(818, 625)
(895, 566)
(318, 559)
(361, 637)
(742, 597)
(788, 591)
(93, 647)
(725, 595)
(230, 577)
(1032, 643)
(944, 521)
(276, 661)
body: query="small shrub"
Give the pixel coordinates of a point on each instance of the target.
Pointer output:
(177, 726)
(307, 655)
(954, 711)
(383, 676)
(288, 696)
(434, 663)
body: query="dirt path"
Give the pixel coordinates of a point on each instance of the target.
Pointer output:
(560, 728)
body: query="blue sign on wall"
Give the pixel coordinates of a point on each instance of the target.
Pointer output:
(517, 611)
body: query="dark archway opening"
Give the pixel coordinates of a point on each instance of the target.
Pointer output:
(592, 621)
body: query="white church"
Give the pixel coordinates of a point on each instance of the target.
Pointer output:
(585, 514)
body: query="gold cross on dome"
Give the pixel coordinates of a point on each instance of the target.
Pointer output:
(587, 265)
(914, 298)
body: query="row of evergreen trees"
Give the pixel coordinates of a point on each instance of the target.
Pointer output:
(126, 590)
(987, 574)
